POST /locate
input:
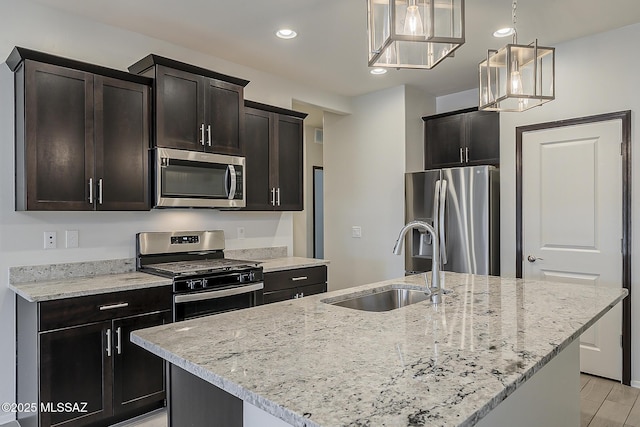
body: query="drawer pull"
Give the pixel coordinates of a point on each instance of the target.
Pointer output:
(295, 279)
(113, 306)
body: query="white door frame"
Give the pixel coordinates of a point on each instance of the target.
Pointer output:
(625, 117)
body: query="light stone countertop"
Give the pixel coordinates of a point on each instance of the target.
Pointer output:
(290, 263)
(68, 280)
(83, 286)
(314, 364)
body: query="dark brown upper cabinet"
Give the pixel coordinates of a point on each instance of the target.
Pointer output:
(82, 135)
(462, 138)
(274, 144)
(195, 108)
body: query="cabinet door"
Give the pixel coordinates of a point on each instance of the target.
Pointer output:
(138, 374)
(179, 109)
(75, 367)
(224, 117)
(58, 139)
(288, 169)
(122, 144)
(444, 138)
(259, 133)
(483, 137)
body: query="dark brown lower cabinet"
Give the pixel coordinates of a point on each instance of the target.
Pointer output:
(75, 360)
(72, 370)
(293, 284)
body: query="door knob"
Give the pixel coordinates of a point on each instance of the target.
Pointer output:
(531, 258)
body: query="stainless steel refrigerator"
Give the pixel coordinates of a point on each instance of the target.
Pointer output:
(463, 204)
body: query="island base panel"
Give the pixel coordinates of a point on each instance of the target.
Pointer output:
(550, 398)
(256, 417)
(194, 402)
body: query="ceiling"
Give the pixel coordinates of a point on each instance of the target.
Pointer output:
(330, 52)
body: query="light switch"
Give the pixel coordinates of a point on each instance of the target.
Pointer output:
(356, 231)
(71, 237)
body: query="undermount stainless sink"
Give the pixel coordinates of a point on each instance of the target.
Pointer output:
(383, 301)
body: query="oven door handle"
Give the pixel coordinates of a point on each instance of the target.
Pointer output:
(200, 296)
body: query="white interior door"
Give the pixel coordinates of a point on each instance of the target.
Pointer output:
(572, 223)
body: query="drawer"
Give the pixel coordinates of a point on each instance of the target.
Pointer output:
(277, 296)
(305, 291)
(287, 279)
(96, 308)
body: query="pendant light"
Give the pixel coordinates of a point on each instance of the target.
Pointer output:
(413, 33)
(517, 77)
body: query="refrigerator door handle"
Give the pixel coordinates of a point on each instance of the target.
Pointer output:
(436, 201)
(440, 230)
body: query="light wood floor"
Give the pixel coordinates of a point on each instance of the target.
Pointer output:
(605, 403)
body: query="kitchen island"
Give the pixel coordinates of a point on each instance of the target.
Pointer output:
(309, 363)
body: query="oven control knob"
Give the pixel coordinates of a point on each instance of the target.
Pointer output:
(252, 276)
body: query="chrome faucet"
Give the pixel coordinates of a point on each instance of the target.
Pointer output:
(435, 288)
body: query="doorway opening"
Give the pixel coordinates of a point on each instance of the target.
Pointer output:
(318, 212)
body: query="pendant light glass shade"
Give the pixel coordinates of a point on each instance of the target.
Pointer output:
(413, 33)
(517, 77)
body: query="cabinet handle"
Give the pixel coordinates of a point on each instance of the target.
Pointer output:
(461, 156)
(209, 135)
(295, 279)
(108, 333)
(100, 191)
(273, 196)
(118, 341)
(466, 151)
(90, 190)
(202, 134)
(112, 306)
(278, 192)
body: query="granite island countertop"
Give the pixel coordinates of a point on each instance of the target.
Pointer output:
(314, 364)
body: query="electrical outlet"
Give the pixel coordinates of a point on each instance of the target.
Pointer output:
(240, 233)
(50, 240)
(71, 237)
(356, 231)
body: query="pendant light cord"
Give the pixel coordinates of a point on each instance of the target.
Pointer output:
(513, 16)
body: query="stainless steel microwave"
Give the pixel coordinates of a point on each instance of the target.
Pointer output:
(193, 179)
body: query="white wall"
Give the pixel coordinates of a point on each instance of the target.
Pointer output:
(110, 235)
(594, 75)
(417, 105)
(457, 101)
(364, 165)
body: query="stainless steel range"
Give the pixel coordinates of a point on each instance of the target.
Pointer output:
(204, 282)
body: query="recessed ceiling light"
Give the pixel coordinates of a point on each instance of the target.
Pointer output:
(286, 33)
(504, 32)
(378, 71)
